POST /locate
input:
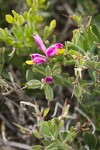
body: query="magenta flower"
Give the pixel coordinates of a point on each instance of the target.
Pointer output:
(39, 42)
(49, 52)
(38, 59)
(48, 80)
(52, 50)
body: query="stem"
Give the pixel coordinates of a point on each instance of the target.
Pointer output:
(83, 114)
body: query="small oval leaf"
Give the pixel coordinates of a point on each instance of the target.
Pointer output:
(9, 19)
(48, 92)
(46, 111)
(33, 84)
(48, 71)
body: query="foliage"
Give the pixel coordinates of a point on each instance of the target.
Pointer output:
(46, 71)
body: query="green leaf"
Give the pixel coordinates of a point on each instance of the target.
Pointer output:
(58, 79)
(70, 62)
(90, 71)
(47, 142)
(29, 75)
(92, 37)
(76, 18)
(91, 64)
(2, 34)
(63, 135)
(9, 41)
(61, 123)
(46, 111)
(73, 53)
(48, 92)
(79, 92)
(18, 33)
(48, 71)
(96, 31)
(70, 80)
(9, 19)
(75, 47)
(52, 146)
(55, 126)
(46, 32)
(56, 69)
(72, 129)
(39, 69)
(53, 24)
(18, 45)
(66, 109)
(37, 147)
(15, 15)
(44, 129)
(89, 21)
(36, 134)
(98, 65)
(70, 137)
(43, 1)
(20, 20)
(33, 84)
(49, 29)
(29, 2)
(62, 146)
(90, 140)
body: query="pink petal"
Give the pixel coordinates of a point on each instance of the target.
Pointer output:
(38, 58)
(39, 61)
(35, 55)
(58, 45)
(49, 79)
(39, 42)
(51, 51)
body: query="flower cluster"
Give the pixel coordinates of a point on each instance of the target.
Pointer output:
(53, 50)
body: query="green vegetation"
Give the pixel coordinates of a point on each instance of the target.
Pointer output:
(50, 75)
